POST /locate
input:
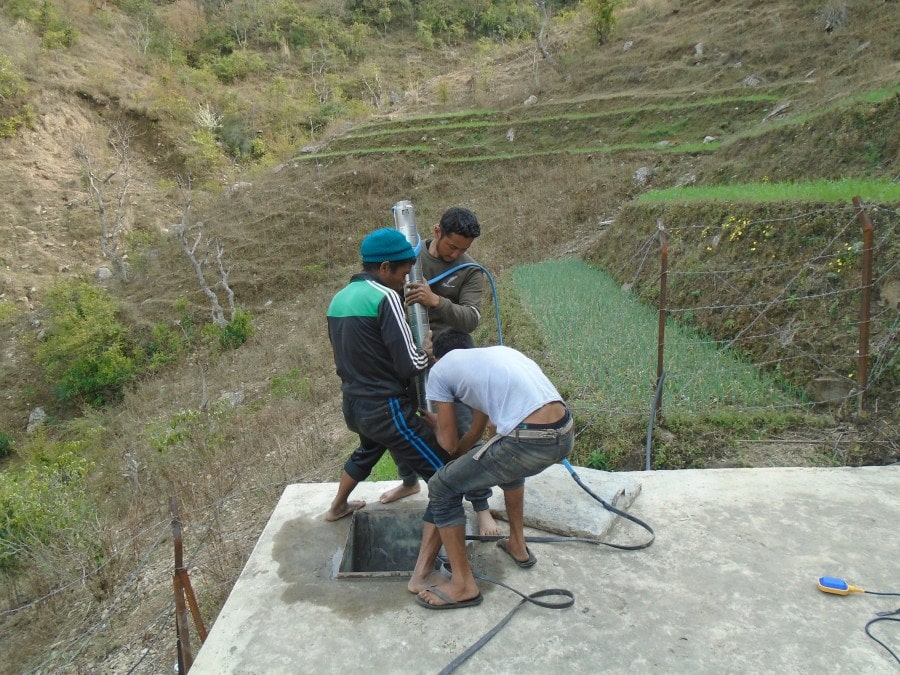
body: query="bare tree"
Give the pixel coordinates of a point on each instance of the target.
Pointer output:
(375, 88)
(198, 253)
(542, 46)
(142, 35)
(320, 65)
(109, 190)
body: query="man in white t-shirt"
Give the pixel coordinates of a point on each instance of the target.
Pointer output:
(533, 430)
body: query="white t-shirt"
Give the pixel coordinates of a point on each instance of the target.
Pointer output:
(499, 381)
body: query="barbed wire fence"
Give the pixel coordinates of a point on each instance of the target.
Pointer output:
(811, 322)
(218, 537)
(759, 332)
(824, 288)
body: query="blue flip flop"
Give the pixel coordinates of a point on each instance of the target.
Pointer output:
(450, 603)
(530, 562)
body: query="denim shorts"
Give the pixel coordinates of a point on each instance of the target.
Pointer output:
(506, 463)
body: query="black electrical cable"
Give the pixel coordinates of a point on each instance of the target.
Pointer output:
(584, 540)
(532, 597)
(884, 616)
(840, 587)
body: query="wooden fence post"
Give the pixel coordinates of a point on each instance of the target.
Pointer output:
(185, 657)
(181, 583)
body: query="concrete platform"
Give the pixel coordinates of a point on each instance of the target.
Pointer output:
(728, 586)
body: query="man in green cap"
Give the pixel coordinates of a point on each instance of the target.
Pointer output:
(376, 359)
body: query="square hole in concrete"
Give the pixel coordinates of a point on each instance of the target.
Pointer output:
(381, 543)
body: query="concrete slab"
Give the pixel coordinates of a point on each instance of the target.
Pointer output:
(554, 507)
(728, 586)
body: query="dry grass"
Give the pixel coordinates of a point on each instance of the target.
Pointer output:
(291, 239)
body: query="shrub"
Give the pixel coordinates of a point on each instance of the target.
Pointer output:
(305, 31)
(237, 65)
(12, 82)
(258, 148)
(88, 354)
(14, 110)
(237, 331)
(190, 431)
(602, 17)
(66, 36)
(325, 113)
(443, 92)
(164, 347)
(8, 310)
(203, 156)
(239, 141)
(20, 9)
(508, 21)
(424, 35)
(381, 13)
(54, 30)
(175, 432)
(44, 504)
(235, 137)
(6, 444)
(186, 322)
(352, 42)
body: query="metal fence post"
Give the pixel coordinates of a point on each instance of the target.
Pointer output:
(663, 278)
(865, 309)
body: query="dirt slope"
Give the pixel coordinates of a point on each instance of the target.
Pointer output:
(291, 234)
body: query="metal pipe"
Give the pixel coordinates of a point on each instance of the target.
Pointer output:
(648, 464)
(661, 334)
(865, 309)
(405, 221)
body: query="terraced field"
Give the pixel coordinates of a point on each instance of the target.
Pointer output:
(659, 124)
(788, 169)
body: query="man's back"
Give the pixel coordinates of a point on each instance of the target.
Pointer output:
(500, 381)
(374, 352)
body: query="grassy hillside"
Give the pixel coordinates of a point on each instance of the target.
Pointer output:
(292, 142)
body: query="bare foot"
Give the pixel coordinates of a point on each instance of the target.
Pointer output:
(487, 526)
(336, 513)
(419, 584)
(399, 492)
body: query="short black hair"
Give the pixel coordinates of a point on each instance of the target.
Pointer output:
(449, 340)
(459, 220)
(371, 268)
